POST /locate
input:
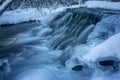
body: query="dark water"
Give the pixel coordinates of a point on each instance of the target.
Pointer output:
(10, 31)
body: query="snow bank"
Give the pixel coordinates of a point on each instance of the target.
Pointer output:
(18, 16)
(109, 48)
(103, 4)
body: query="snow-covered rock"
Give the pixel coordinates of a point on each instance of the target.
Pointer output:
(109, 48)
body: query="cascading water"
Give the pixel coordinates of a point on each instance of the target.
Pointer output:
(54, 49)
(72, 27)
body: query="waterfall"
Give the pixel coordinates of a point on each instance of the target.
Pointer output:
(72, 28)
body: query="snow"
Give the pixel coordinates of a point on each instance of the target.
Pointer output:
(103, 4)
(109, 48)
(25, 15)
(32, 14)
(18, 16)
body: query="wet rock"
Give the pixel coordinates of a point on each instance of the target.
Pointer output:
(77, 68)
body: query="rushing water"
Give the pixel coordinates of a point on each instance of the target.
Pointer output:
(52, 49)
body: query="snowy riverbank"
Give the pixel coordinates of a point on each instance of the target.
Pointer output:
(19, 16)
(32, 14)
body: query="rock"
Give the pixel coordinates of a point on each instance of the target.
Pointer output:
(77, 68)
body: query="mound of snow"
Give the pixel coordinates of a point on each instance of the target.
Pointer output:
(109, 48)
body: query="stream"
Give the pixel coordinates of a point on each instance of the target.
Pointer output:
(53, 48)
